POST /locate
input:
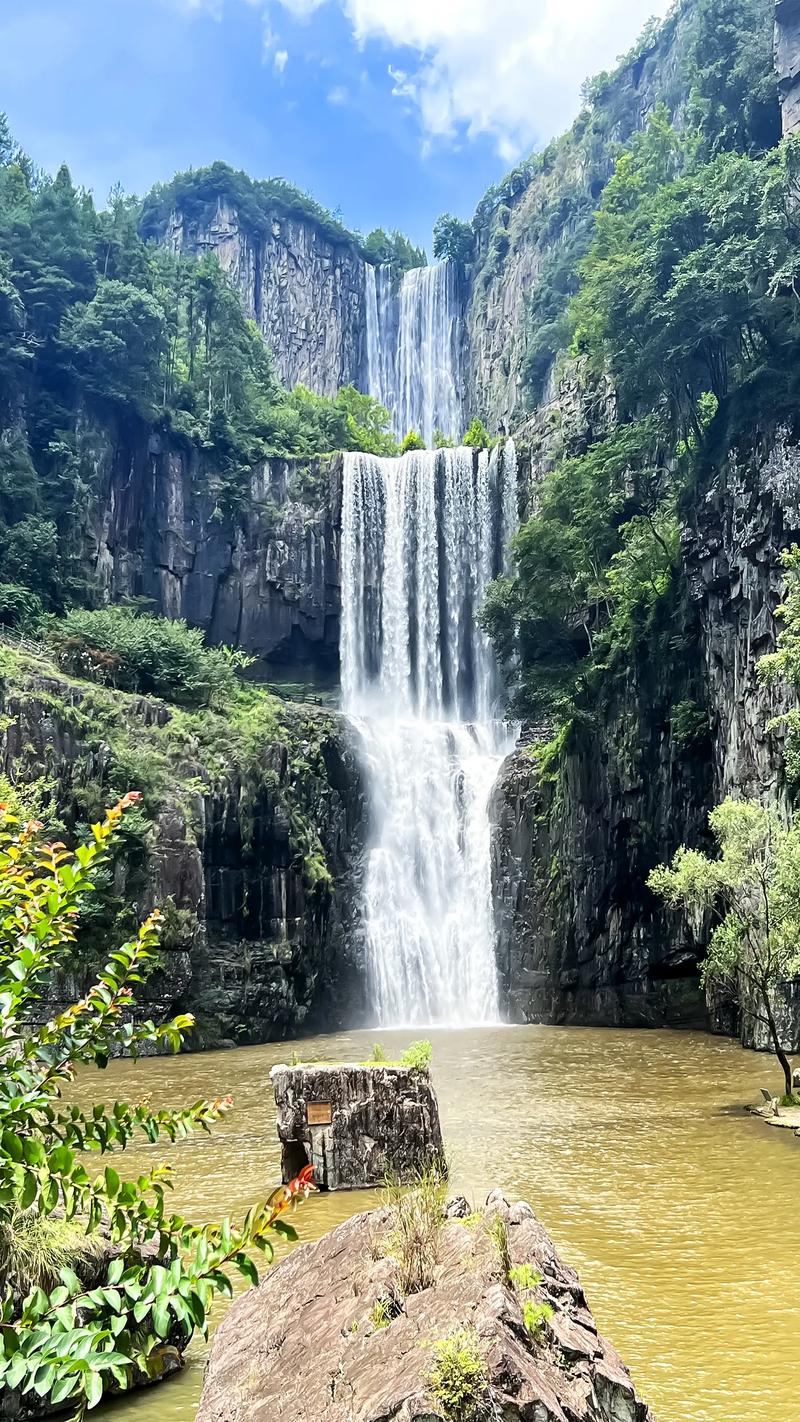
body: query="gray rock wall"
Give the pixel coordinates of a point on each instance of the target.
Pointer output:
(372, 1123)
(257, 944)
(580, 937)
(787, 61)
(264, 578)
(304, 291)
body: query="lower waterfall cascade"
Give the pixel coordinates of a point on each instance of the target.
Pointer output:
(422, 537)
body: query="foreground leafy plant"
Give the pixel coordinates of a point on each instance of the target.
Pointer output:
(69, 1344)
(417, 1056)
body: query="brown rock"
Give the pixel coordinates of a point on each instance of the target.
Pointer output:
(304, 1346)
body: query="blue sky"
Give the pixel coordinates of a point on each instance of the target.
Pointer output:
(390, 110)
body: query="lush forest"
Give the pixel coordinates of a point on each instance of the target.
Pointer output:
(680, 322)
(96, 319)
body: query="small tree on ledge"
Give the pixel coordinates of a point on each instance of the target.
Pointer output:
(755, 886)
(411, 442)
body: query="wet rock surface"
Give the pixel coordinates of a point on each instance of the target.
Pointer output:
(264, 578)
(309, 1344)
(580, 937)
(356, 1124)
(255, 946)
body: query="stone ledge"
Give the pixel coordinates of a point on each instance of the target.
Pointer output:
(356, 1123)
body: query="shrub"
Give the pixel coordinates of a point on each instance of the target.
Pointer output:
(524, 1276)
(458, 1379)
(498, 1233)
(536, 1317)
(417, 1056)
(19, 607)
(156, 656)
(69, 1344)
(477, 436)
(412, 441)
(380, 1314)
(378, 1054)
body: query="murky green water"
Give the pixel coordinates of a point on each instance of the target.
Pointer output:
(677, 1209)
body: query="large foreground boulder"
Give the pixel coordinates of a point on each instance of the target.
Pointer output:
(498, 1329)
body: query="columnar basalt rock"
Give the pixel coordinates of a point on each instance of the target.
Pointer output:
(304, 290)
(580, 937)
(264, 577)
(329, 1336)
(787, 61)
(255, 944)
(357, 1124)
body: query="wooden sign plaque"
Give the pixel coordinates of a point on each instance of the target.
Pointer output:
(318, 1113)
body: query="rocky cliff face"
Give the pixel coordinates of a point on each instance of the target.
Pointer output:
(264, 577)
(581, 939)
(533, 228)
(304, 290)
(787, 61)
(253, 849)
(543, 213)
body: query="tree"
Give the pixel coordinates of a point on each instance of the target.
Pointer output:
(368, 422)
(393, 249)
(412, 441)
(69, 1344)
(115, 343)
(733, 102)
(477, 436)
(754, 886)
(453, 240)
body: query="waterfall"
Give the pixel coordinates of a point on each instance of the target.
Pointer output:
(414, 348)
(422, 537)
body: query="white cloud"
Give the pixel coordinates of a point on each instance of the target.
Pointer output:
(281, 59)
(509, 69)
(338, 95)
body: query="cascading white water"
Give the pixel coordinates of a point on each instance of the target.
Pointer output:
(414, 348)
(422, 536)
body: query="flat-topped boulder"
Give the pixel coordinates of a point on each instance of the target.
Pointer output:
(357, 1123)
(497, 1326)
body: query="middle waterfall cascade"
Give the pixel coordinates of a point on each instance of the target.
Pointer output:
(422, 537)
(414, 348)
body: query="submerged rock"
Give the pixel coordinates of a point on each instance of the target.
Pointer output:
(330, 1336)
(356, 1123)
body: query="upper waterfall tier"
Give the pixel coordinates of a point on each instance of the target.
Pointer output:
(414, 336)
(422, 538)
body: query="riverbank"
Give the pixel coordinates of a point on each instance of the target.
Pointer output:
(635, 1152)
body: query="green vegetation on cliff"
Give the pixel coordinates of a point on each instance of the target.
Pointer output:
(754, 886)
(195, 195)
(684, 329)
(97, 327)
(710, 64)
